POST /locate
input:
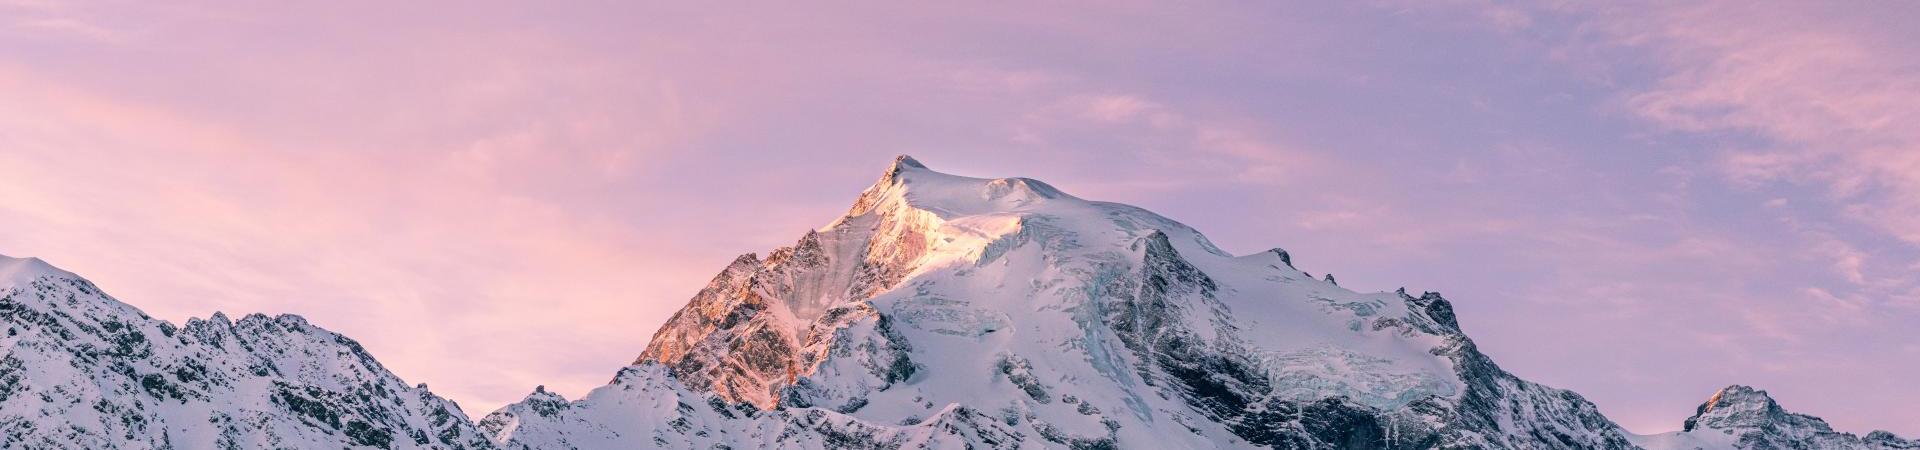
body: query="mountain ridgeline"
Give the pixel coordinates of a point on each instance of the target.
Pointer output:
(938, 312)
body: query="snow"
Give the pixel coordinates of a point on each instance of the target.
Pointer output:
(82, 370)
(18, 271)
(940, 311)
(975, 272)
(1681, 440)
(978, 213)
(1741, 417)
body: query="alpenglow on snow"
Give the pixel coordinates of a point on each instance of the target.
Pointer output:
(939, 312)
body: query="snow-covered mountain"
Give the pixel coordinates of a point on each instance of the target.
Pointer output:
(939, 312)
(84, 371)
(1005, 313)
(1740, 417)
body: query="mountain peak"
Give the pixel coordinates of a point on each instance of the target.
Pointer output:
(1733, 406)
(1739, 407)
(1102, 325)
(1734, 396)
(907, 162)
(1741, 417)
(15, 271)
(901, 165)
(888, 185)
(83, 370)
(910, 185)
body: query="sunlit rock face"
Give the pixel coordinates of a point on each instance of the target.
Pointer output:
(1741, 417)
(1004, 313)
(760, 326)
(939, 312)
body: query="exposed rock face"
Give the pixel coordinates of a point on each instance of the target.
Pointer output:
(940, 312)
(940, 300)
(1740, 417)
(645, 407)
(759, 326)
(84, 371)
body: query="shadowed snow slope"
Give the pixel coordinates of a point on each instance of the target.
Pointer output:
(84, 371)
(1740, 417)
(939, 312)
(1018, 315)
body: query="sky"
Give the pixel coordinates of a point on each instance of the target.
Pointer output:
(1641, 202)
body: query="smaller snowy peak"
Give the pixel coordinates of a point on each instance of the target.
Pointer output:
(744, 262)
(21, 277)
(1741, 407)
(83, 370)
(1740, 417)
(1022, 188)
(902, 165)
(908, 185)
(1886, 439)
(1436, 307)
(17, 271)
(1285, 258)
(905, 161)
(544, 402)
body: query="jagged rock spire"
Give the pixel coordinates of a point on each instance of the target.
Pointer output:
(1753, 419)
(1285, 258)
(83, 370)
(906, 161)
(901, 164)
(873, 195)
(1742, 407)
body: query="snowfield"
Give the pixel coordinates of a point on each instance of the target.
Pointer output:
(938, 299)
(84, 371)
(939, 311)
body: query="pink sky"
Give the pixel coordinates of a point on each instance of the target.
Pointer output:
(1639, 202)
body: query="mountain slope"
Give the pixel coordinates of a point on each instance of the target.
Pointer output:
(1740, 417)
(1072, 323)
(84, 371)
(938, 312)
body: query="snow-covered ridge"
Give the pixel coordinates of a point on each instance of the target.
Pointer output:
(84, 371)
(1077, 323)
(17, 271)
(1741, 417)
(939, 312)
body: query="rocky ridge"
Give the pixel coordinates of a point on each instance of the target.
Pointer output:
(1741, 417)
(938, 312)
(84, 371)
